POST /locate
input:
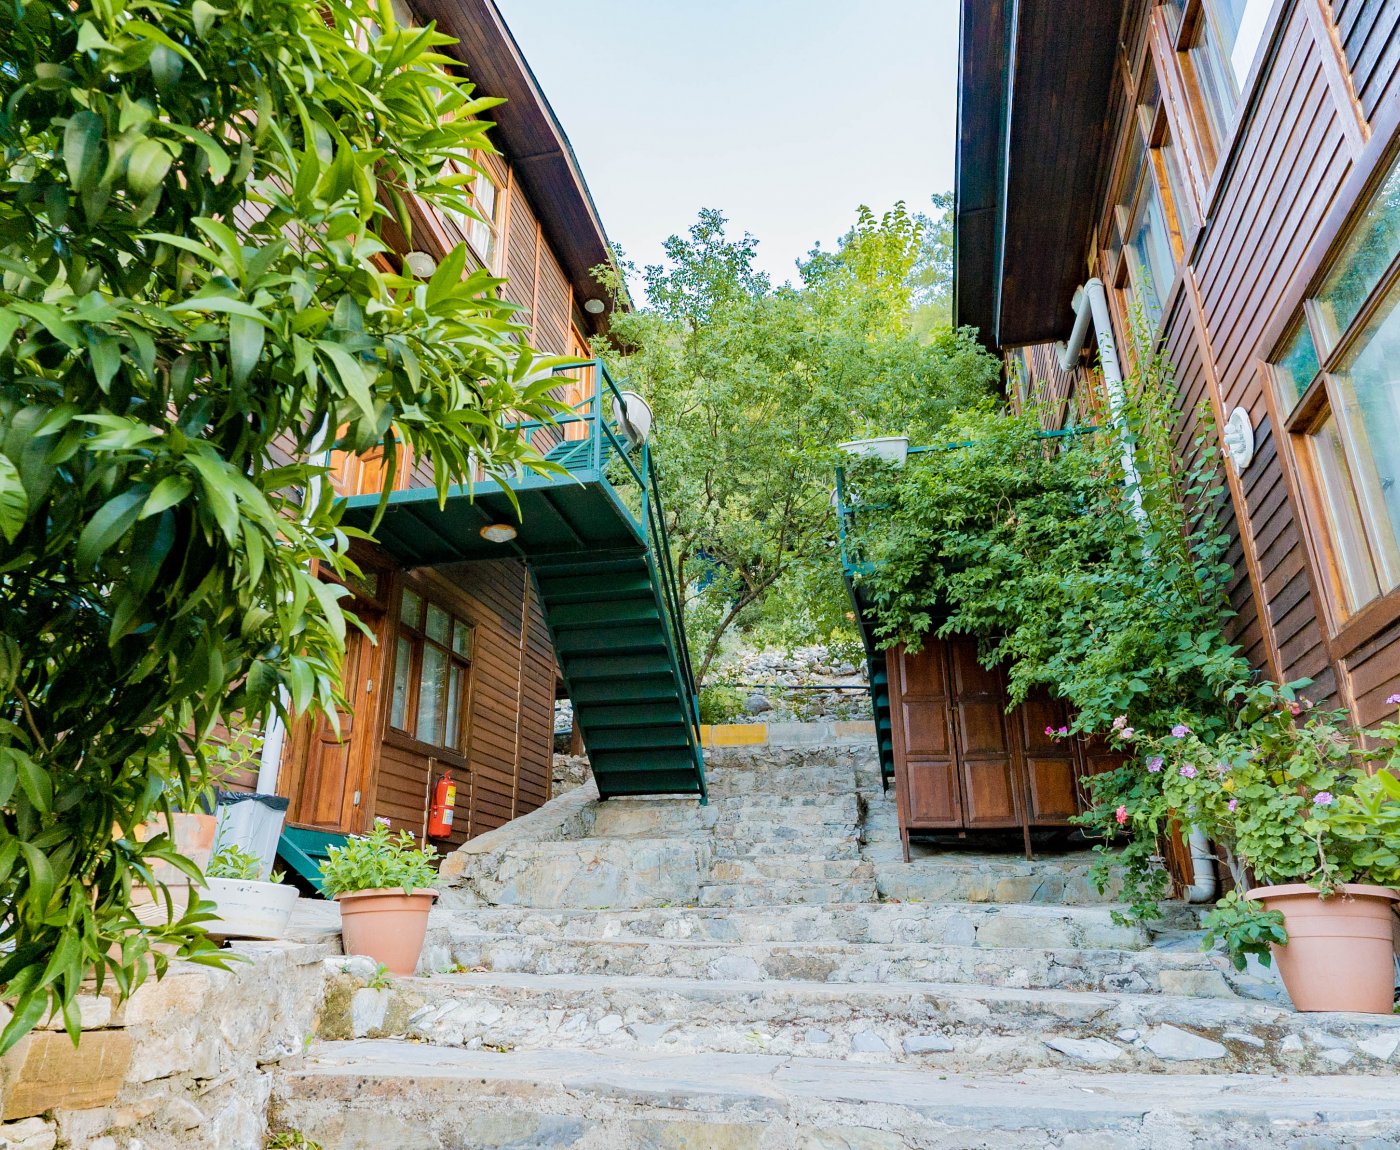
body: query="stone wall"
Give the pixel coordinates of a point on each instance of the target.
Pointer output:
(185, 1062)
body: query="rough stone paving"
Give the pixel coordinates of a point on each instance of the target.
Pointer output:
(765, 974)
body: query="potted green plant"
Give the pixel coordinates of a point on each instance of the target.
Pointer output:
(384, 885)
(1308, 812)
(246, 906)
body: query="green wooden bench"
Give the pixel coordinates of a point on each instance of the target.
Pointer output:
(305, 850)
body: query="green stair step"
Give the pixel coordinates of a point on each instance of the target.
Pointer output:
(590, 588)
(642, 761)
(625, 563)
(591, 692)
(610, 639)
(605, 717)
(596, 614)
(616, 667)
(638, 738)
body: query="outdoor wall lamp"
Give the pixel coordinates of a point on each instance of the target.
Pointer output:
(498, 532)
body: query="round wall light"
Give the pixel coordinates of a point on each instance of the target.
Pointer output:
(420, 265)
(1239, 438)
(498, 532)
(594, 306)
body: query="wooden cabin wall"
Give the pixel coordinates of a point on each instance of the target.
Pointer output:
(509, 770)
(1253, 236)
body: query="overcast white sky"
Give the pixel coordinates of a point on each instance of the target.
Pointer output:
(784, 114)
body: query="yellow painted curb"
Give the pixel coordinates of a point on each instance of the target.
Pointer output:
(853, 728)
(735, 735)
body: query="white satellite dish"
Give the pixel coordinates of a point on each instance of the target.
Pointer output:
(633, 416)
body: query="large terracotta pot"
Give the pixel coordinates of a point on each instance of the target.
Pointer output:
(1340, 953)
(387, 925)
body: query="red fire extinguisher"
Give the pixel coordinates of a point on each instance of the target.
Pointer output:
(443, 806)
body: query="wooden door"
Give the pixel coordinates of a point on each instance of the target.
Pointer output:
(926, 784)
(985, 749)
(1051, 763)
(332, 784)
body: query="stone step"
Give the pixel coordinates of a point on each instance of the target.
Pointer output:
(956, 1027)
(980, 924)
(766, 868)
(1141, 971)
(1063, 881)
(745, 847)
(785, 892)
(372, 1094)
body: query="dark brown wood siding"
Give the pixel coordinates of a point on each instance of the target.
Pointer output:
(1271, 208)
(509, 753)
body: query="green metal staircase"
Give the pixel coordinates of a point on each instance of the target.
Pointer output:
(595, 541)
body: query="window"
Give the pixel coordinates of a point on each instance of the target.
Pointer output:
(1147, 235)
(1217, 40)
(432, 662)
(1337, 379)
(479, 230)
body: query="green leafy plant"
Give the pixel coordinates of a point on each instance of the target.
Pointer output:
(754, 386)
(195, 309)
(1245, 929)
(378, 861)
(720, 703)
(291, 1140)
(236, 863)
(381, 979)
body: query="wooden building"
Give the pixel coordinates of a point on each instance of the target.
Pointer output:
(468, 635)
(1233, 167)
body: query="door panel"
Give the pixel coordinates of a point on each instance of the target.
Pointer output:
(923, 700)
(325, 794)
(991, 791)
(1050, 761)
(934, 800)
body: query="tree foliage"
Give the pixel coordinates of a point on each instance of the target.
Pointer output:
(193, 295)
(753, 388)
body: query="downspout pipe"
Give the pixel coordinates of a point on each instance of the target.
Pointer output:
(1091, 306)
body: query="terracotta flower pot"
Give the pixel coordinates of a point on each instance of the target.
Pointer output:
(1340, 954)
(387, 925)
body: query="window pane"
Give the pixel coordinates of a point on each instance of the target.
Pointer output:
(439, 624)
(1151, 260)
(1368, 394)
(1240, 27)
(411, 609)
(1215, 79)
(462, 639)
(1296, 366)
(432, 697)
(1373, 244)
(403, 675)
(1355, 571)
(1176, 184)
(454, 709)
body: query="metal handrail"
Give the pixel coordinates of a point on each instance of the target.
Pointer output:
(651, 523)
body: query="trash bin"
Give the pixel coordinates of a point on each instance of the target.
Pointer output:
(250, 822)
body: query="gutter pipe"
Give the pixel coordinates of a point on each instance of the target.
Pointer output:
(1091, 305)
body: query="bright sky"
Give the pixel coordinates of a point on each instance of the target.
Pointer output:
(784, 114)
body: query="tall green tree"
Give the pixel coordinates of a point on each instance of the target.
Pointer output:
(192, 290)
(754, 387)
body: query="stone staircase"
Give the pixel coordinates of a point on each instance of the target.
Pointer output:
(764, 973)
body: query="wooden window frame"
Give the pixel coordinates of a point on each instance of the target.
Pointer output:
(1345, 630)
(419, 640)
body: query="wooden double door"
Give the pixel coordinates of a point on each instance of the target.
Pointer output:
(964, 762)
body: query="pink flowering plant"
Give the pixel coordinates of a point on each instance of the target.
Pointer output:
(1291, 793)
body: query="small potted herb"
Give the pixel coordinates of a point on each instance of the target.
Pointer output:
(246, 905)
(384, 885)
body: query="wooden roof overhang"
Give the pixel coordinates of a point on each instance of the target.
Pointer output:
(1033, 94)
(529, 134)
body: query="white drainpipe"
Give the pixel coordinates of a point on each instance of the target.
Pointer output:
(1091, 304)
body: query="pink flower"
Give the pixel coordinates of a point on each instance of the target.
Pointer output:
(1322, 799)
(1394, 700)
(1187, 772)
(1232, 804)
(381, 820)
(1295, 708)
(1050, 731)
(1121, 814)
(1120, 722)
(1181, 730)
(1222, 768)
(1154, 764)
(1062, 731)
(1127, 734)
